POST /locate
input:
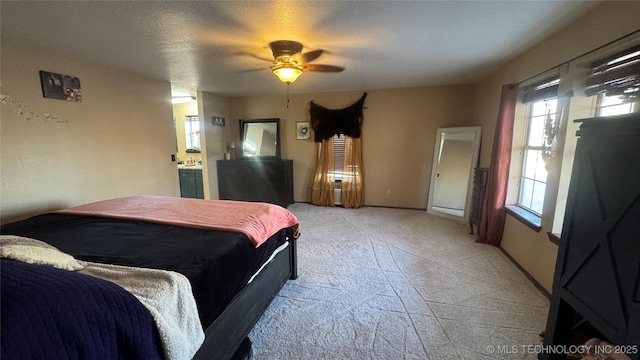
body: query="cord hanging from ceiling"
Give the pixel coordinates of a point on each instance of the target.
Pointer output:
(288, 95)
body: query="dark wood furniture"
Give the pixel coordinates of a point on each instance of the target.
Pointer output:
(264, 180)
(597, 275)
(227, 338)
(477, 196)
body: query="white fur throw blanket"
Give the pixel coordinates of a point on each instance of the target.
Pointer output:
(168, 297)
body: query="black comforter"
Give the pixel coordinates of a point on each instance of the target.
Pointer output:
(217, 263)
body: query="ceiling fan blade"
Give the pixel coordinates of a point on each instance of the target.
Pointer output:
(323, 68)
(310, 56)
(250, 70)
(246, 53)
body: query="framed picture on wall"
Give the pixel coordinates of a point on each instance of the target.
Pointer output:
(303, 130)
(217, 121)
(61, 87)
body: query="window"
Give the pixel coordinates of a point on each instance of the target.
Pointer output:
(615, 105)
(616, 80)
(533, 181)
(192, 131)
(338, 156)
(601, 83)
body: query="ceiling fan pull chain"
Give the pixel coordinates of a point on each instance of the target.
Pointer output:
(288, 95)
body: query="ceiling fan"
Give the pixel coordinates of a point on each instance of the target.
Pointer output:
(289, 61)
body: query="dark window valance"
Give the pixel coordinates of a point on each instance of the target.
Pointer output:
(329, 122)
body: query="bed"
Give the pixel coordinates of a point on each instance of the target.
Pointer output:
(233, 282)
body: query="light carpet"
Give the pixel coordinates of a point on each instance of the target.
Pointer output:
(379, 283)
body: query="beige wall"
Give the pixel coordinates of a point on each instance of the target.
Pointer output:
(117, 142)
(604, 24)
(399, 133)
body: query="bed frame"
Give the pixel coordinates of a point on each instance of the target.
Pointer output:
(227, 337)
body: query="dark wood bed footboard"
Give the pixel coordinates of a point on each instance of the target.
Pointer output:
(293, 246)
(228, 331)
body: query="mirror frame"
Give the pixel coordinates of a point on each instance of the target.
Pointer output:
(477, 134)
(243, 122)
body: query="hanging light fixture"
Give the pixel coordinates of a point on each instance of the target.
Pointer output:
(287, 72)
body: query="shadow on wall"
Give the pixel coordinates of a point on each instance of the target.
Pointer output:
(21, 216)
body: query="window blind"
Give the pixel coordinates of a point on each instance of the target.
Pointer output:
(617, 74)
(541, 90)
(338, 154)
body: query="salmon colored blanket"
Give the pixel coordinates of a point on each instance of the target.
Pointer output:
(257, 220)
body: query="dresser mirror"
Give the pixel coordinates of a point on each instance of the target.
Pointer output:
(455, 156)
(260, 137)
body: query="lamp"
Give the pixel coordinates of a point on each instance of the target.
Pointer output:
(287, 72)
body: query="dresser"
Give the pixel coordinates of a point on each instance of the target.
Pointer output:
(597, 275)
(477, 195)
(264, 180)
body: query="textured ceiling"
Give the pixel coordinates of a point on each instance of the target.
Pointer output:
(383, 44)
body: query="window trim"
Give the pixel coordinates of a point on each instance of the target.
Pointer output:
(528, 218)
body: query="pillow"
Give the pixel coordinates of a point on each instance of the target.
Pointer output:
(34, 251)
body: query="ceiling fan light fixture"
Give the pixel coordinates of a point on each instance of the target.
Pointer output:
(287, 72)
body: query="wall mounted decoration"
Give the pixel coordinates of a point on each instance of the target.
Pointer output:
(23, 110)
(217, 121)
(303, 130)
(62, 87)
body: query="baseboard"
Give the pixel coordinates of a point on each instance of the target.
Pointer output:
(395, 207)
(535, 283)
(373, 206)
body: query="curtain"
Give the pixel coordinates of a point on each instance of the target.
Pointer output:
(493, 214)
(353, 174)
(322, 190)
(327, 123)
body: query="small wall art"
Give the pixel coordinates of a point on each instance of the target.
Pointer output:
(217, 121)
(61, 87)
(303, 131)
